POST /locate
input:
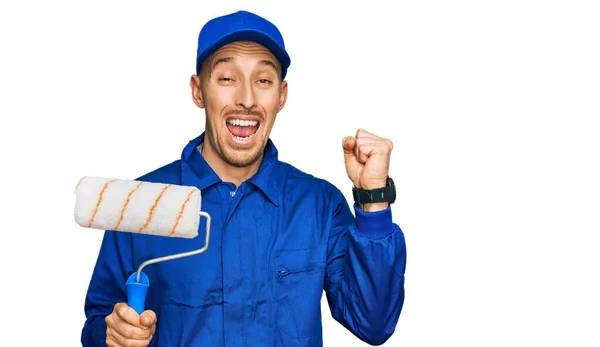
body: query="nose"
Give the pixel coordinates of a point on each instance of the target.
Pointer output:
(245, 96)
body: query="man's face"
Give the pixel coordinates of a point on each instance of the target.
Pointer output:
(240, 88)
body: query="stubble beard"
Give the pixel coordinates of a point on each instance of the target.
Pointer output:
(231, 156)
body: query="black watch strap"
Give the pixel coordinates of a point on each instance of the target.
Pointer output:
(385, 194)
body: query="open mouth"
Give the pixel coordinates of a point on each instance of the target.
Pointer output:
(242, 130)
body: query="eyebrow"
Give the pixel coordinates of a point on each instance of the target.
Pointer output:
(222, 60)
(269, 63)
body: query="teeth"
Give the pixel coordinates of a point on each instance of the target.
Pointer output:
(243, 123)
(244, 139)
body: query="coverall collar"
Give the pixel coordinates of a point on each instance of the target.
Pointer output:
(195, 171)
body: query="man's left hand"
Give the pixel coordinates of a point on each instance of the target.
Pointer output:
(367, 159)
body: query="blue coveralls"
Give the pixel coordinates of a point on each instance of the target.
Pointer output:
(277, 242)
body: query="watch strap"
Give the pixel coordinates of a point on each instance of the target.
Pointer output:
(384, 194)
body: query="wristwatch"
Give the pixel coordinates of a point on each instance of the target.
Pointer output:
(385, 194)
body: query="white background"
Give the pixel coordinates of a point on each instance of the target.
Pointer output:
(492, 106)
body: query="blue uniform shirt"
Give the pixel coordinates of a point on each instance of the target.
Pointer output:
(277, 242)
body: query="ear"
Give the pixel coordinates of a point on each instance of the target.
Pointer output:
(195, 83)
(283, 95)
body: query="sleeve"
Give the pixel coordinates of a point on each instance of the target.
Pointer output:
(107, 286)
(364, 281)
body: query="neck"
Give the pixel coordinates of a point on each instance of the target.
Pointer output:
(225, 171)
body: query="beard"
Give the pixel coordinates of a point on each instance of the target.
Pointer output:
(236, 158)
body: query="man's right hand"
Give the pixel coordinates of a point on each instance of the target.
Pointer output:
(124, 327)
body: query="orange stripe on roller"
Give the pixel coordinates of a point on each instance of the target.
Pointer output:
(80, 180)
(126, 203)
(99, 201)
(153, 207)
(181, 212)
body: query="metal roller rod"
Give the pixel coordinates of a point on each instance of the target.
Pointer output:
(179, 255)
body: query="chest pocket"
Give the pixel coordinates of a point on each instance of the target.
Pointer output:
(187, 282)
(298, 288)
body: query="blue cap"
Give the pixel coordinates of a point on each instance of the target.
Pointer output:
(241, 26)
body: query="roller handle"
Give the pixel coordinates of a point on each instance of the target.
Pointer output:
(136, 292)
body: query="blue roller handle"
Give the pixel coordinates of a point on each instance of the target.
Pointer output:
(136, 292)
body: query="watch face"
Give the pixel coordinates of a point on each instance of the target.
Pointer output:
(391, 184)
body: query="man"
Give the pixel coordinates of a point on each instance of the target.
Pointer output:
(280, 237)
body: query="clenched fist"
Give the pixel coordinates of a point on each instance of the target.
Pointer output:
(367, 159)
(124, 327)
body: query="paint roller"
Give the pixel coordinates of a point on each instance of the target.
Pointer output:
(141, 207)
